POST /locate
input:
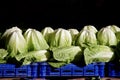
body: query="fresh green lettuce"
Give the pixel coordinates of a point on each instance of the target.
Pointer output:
(14, 42)
(46, 33)
(90, 28)
(98, 53)
(36, 56)
(106, 37)
(74, 33)
(3, 54)
(67, 54)
(35, 40)
(86, 38)
(114, 28)
(60, 38)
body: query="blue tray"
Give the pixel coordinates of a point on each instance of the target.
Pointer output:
(94, 69)
(23, 71)
(7, 70)
(43, 69)
(101, 68)
(113, 70)
(34, 70)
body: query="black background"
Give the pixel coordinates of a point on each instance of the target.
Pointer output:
(58, 13)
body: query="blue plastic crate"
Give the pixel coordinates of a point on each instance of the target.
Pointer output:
(52, 71)
(7, 70)
(34, 70)
(66, 70)
(23, 71)
(91, 70)
(113, 70)
(101, 68)
(47, 71)
(42, 69)
(77, 70)
(7, 66)
(0, 72)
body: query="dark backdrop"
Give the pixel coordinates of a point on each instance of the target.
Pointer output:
(58, 13)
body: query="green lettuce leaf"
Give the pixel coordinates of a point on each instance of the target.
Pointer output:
(67, 54)
(36, 56)
(98, 53)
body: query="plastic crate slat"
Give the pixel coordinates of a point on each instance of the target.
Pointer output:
(67, 70)
(53, 71)
(6, 66)
(9, 73)
(77, 71)
(114, 70)
(47, 70)
(34, 70)
(89, 70)
(43, 69)
(101, 68)
(23, 71)
(0, 72)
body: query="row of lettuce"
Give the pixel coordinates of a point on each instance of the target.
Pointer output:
(60, 46)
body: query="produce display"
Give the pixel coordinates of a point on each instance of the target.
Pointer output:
(60, 46)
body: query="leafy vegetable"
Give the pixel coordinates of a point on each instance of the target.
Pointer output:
(36, 56)
(35, 40)
(67, 54)
(90, 28)
(57, 64)
(74, 33)
(114, 28)
(118, 36)
(86, 38)
(11, 30)
(106, 37)
(3, 54)
(5, 37)
(46, 33)
(98, 53)
(15, 42)
(60, 38)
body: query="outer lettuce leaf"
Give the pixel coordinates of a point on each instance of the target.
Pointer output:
(118, 36)
(57, 64)
(67, 54)
(98, 53)
(36, 56)
(3, 54)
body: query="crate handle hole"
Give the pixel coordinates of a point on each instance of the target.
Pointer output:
(9, 71)
(22, 71)
(78, 71)
(66, 71)
(89, 71)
